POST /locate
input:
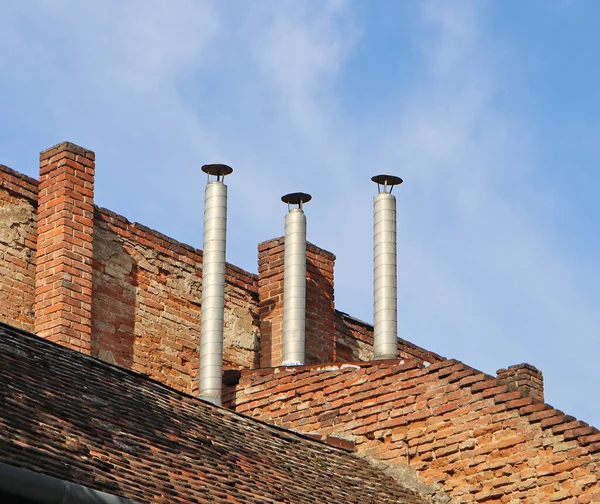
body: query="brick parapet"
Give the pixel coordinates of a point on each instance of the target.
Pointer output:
(274, 242)
(465, 432)
(320, 307)
(168, 309)
(18, 202)
(325, 338)
(524, 377)
(18, 184)
(63, 279)
(147, 304)
(174, 248)
(354, 341)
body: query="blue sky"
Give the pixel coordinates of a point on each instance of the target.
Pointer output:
(488, 110)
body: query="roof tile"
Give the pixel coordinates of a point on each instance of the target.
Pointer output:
(80, 419)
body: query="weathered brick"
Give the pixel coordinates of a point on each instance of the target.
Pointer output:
(496, 444)
(480, 438)
(61, 197)
(320, 311)
(18, 199)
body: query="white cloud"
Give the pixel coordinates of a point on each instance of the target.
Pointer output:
(483, 277)
(299, 54)
(158, 88)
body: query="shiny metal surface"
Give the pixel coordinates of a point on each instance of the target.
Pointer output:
(213, 291)
(294, 288)
(385, 313)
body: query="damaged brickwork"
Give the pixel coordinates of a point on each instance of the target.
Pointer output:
(354, 342)
(18, 202)
(320, 310)
(144, 289)
(464, 433)
(129, 295)
(147, 299)
(524, 377)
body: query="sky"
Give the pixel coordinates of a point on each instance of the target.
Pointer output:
(489, 111)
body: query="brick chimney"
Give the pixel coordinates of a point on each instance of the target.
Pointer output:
(63, 279)
(320, 309)
(525, 378)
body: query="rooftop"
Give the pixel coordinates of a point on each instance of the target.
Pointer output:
(77, 418)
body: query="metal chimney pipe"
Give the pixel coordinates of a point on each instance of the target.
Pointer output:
(213, 284)
(385, 305)
(294, 281)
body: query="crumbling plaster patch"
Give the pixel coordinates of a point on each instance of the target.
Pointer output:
(14, 223)
(240, 330)
(409, 478)
(165, 295)
(17, 260)
(109, 250)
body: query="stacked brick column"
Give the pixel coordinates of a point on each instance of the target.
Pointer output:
(270, 301)
(525, 378)
(320, 309)
(63, 281)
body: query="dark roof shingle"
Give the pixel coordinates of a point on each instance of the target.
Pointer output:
(79, 419)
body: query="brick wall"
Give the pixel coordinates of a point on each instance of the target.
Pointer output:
(354, 342)
(524, 377)
(18, 202)
(146, 304)
(320, 310)
(131, 295)
(63, 274)
(118, 290)
(461, 431)
(331, 335)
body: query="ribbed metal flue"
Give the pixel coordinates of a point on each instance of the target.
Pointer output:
(294, 282)
(385, 332)
(213, 287)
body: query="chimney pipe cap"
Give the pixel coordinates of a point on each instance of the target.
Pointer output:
(218, 170)
(387, 179)
(296, 198)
